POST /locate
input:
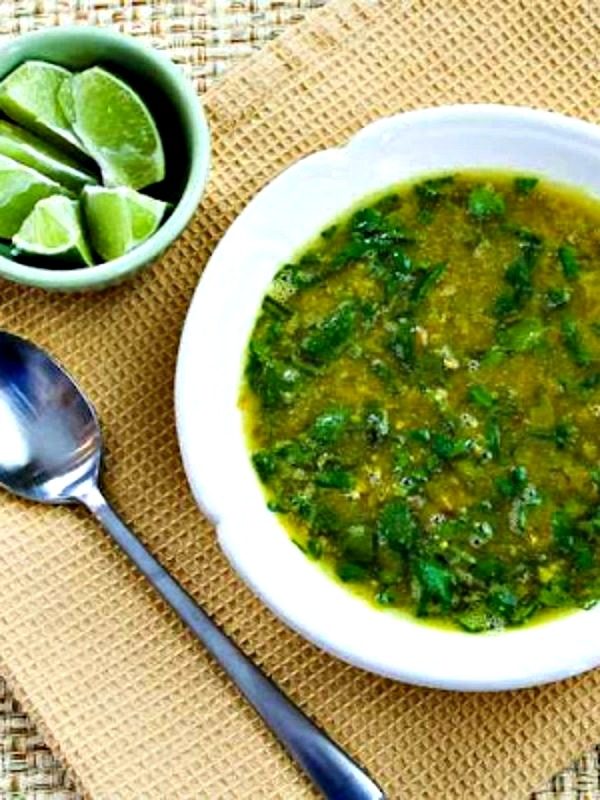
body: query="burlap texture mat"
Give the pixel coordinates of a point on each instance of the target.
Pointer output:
(121, 691)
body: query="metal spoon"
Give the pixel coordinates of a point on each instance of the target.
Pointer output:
(50, 451)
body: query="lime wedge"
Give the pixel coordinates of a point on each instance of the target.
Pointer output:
(29, 96)
(115, 128)
(20, 189)
(28, 149)
(120, 219)
(54, 229)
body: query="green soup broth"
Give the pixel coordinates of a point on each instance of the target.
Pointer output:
(421, 397)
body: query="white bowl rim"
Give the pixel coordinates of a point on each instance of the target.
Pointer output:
(451, 660)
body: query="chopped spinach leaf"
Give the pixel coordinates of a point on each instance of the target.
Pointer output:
(324, 340)
(329, 426)
(572, 341)
(335, 478)
(426, 280)
(485, 203)
(567, 255)
(556, 298)
(522, 336)
(481, 396)
(525, 185)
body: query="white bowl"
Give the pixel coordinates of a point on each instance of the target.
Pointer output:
(279, 220)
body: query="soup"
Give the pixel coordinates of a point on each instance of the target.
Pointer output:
(421, 395)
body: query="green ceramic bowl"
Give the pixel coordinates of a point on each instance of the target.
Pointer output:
(181, 122)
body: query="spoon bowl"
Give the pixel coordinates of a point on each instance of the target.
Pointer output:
(51, 440)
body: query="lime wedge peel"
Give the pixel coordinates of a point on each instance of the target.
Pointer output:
(115, 128)
(54, 229)
(20, 189)
(27, 148)
(120, 219)
(29, 96)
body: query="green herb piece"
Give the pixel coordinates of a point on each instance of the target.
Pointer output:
(325, 521)
(475, 620)
(488, 569)
(376, 424)
(265, 464)
(329, 232)
(274, 307)
(422, 435)
(296, 453)
(329, 426)
(561, 435)
(426, 281)
(385, 598)
(433, 189)
(397, 526)
(494, 356)
(325, 339)
(572, 341)
(567, 255)
(530, 243)
(425, 216)
(314, 548)
(563, 531)
(348, 572)
(384, 373)
(372, 234)
(519, 274)
(513, 484)
(403, 343)
(272, 380)
(493, 438)
(401, 458)
(525, 185)
(485, 203)
(358, 544)
(522, 336)
(388, 204)
(335, 478)
(591, 382)
(481, 396)
(556, 594)
(296, 277)
(447, 448)
(502, 600)
(436, 583)
(557, 298)
(277, 506)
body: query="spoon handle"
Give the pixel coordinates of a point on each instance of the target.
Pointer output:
(333, 772)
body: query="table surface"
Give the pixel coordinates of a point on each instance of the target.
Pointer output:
(206, 38)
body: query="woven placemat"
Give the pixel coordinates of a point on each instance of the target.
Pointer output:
(206, 37)
(124, 694)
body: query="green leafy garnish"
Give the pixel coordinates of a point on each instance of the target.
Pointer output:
(567, 255)
(329, 426)
(426, 281)
(522, 336)
(335, 478)
(485, 203)
(556, 298)
(525, 185)
(573, 343)
(481, 396)
(324, 340)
